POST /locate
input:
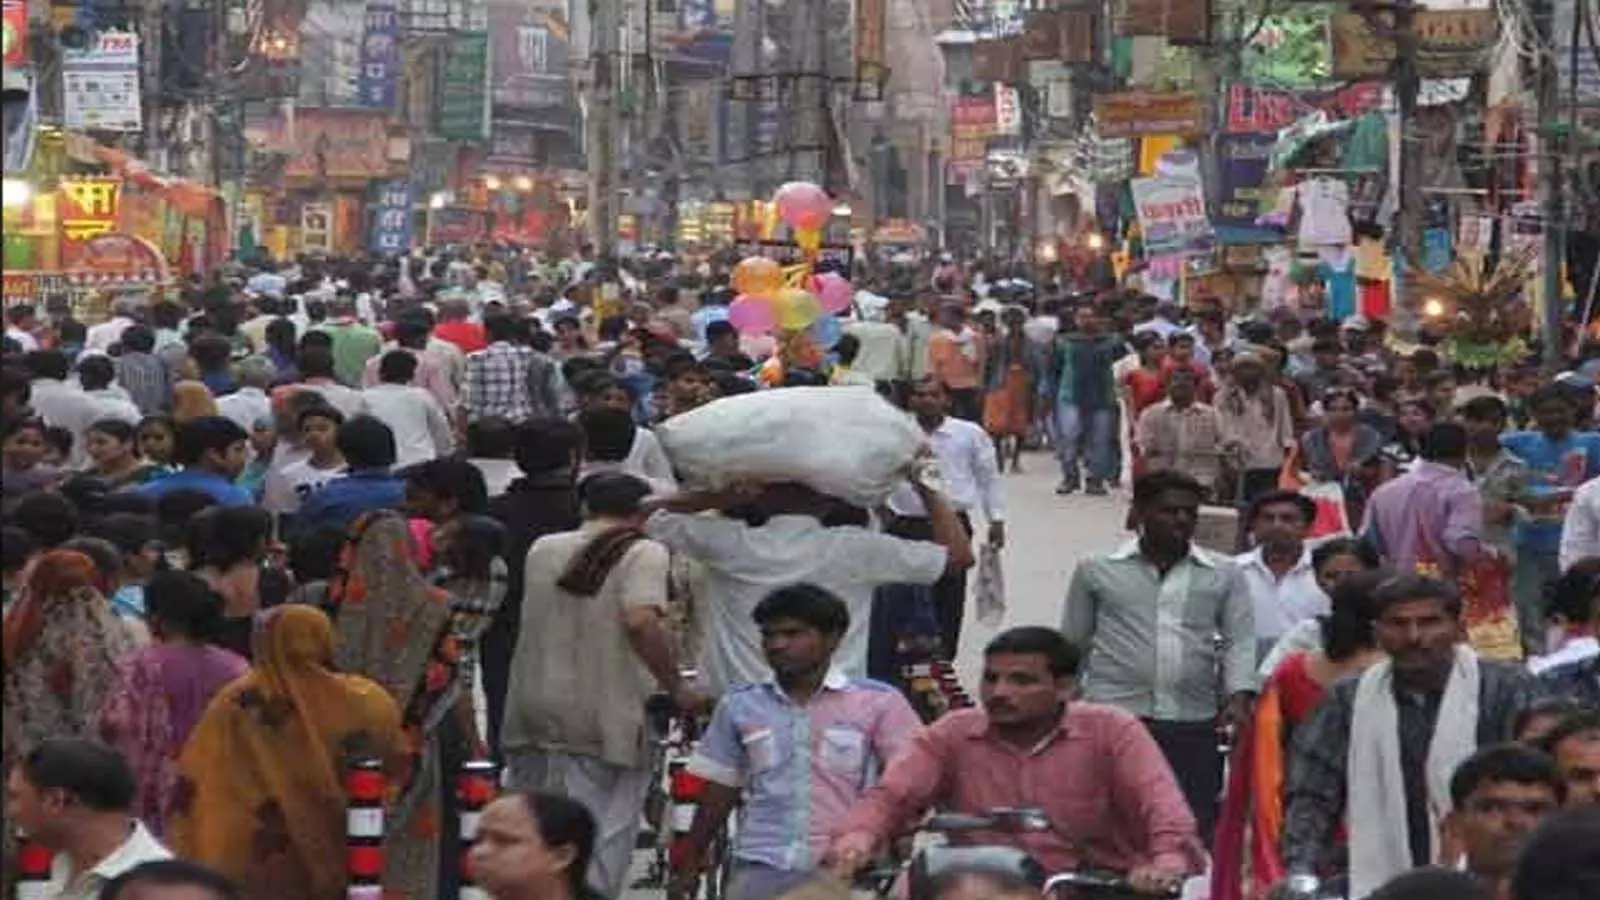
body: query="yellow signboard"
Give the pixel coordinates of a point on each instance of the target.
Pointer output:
(1451, 43)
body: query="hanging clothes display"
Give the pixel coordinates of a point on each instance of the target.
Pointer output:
(1337, 270)
(1324, 212)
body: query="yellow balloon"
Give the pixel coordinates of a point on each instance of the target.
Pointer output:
(757, 276)
(796, 309)
(808, 239)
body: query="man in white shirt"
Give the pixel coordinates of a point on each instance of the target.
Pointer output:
(316, 374)
(102, 336)
(97, 376)
(421, 428)
(744, 563)
(60, 403)
(250, 403)
(75, 797)
(885, 354)
(970, 476)
(1580, 533)
(1283, 585)
(21, 323)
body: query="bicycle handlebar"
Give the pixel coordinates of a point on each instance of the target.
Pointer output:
(1003, 819)
(1090, 882)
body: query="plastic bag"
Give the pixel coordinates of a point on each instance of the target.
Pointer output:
(846, 442)
(991, 586)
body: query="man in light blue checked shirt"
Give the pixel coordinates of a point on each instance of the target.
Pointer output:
(802, 749)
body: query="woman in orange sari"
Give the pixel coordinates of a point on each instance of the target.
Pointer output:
(260, 794)
(1245, 858)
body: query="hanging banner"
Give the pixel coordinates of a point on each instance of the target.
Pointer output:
(100, 83)
(1140, 113)
(389, 231)
(86, 208)
(456, 225)
(972, 123)
(1451, 43)
(462, 113)
(872, 59)
(1007, 111)
(1179, 21)
(379, 80)
(1241, 171)
(1252, 109)
(1172, 215)
(316, 228)
(14, 36)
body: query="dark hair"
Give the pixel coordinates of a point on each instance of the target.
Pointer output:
(222, 537)
(612, 494)
(595, 382)
(1147, 487)
(14, 382)
(116, 429)
(96, 372)
(1406, 587)
(314, 552)
(1433, 883)
(314, 362)
(17, 426)
(106, 557)
(170, 873)
(1340, 393)
(280, 335)
(476, 545)
(502, 327)
(128, 532)
(93, 773)
(1576, 594)
(315, 339)
(51, 364)
(1028, 640)
(1545, 708)
(451, 479)
(806, 603)
(1444, 441)
(161, 419)
(1306, 507)
(720, 328)
(16, 548)
(1345, 546)
(1347, 629)
(182, 603)
(51, 518)
(412, 328)
(564, 822)
(367, 443)
(608, 434)
(175, 509)
(20, 313)
(59, 438)
(1483, 409)
(1584, 721)
(199, 435)
(1558, 861)
(545, 445)
(211, 352)
(1549, 393)
(320, 408)
(491, 438)
(397, 367)
(1516, 763)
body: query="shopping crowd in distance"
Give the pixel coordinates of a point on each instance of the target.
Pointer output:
(467, 506)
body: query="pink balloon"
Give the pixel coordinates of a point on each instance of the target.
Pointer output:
(833, 291)
(752, 315)
(802, 205)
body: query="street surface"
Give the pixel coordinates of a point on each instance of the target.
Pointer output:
(1046, 535)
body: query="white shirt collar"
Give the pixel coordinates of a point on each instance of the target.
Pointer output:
(1257, 559)
(141, 846)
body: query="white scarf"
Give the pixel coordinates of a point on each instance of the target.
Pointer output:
(1380, 845)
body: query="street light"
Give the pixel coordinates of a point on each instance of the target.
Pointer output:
(1095, 241)
(15, 193)
(438, 200)
(524, 183)
(491, 182)
(843, 211)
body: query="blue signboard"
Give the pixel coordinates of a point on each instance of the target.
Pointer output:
(380, 57)
(390, 229)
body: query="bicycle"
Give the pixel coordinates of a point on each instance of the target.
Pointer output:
(674, 796)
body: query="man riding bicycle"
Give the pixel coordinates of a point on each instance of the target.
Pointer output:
(1094, 770)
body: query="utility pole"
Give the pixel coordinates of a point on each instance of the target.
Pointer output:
(601, 128)
(1550, 195)
(1408, 218)
(810, 160)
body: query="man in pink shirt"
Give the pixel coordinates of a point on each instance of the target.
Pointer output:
(1094, 770)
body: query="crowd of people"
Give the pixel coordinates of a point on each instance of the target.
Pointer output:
(324, 513)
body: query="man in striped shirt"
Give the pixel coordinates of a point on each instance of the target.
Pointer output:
(141, 373)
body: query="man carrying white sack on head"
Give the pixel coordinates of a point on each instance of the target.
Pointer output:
(802, 538)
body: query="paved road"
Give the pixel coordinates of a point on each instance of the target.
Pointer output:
(1047, 535)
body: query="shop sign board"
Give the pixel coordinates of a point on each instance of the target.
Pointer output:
(1452, 43)
(462, 113)
(390, 229)
(100, 83)
(1172, 214)
(1145, 113)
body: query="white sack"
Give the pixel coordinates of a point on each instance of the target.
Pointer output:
(846, 442)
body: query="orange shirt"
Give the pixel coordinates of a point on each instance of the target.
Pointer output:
(953, 365)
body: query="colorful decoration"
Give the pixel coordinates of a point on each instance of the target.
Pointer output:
(796, 309)
(826, 331)
(833, 290)
(752, 315)
(757, 276)
(803, 206)
(1477, 304)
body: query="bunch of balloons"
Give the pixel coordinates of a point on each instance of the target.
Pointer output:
(791, 299)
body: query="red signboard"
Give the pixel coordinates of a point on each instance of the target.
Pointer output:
(86, 209)
(14, 37)
(1253, 109)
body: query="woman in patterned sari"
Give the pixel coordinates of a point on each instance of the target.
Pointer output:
(62, 644)
(162, 690)
(260, 796)
(398, 630)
